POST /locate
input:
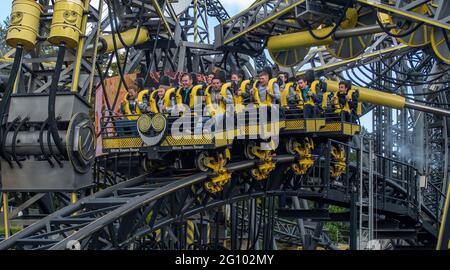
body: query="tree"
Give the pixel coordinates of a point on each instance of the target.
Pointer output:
(4, 48)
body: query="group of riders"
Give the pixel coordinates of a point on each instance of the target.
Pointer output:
(218, 92)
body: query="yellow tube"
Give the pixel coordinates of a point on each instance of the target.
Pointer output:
(127, 36)
(372, 96)
(299, 39)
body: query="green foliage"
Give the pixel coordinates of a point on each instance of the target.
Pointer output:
(3, 31)
(338, 231)
(13, 230)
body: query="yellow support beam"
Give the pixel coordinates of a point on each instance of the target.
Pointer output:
(5, 214)
(358, 58)
(409, 15)
(77, 67)
(444, 230)
(162, 17)
(73, 197)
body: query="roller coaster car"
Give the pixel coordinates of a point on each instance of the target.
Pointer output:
(167, 138)
(325, 123)
(153, 131)
(336, 126)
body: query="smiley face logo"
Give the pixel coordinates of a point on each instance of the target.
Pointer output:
(16, 18)
(70, 17)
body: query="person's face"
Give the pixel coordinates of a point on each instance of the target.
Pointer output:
(132, 93)
(216, 84)
(161, 92)
(210, 78)
(342, 89)
(282, 77)
(186, 82)
(234, 77)
(200, 78)
(302, 84)
(263, 79)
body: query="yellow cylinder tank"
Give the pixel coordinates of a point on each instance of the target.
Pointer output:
(299, 39)
(66, 23)
(141, 35)
(372, 96)
(24, 24)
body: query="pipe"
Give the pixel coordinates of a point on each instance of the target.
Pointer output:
(360, 31)
(28, 143)
(428, 109)
(372, 96)
(387, 99)
(5, 102)
(299, 39)
(106, 44)
(52, 122)
(305, 39)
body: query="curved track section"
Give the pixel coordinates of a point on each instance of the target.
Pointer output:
(132, 214)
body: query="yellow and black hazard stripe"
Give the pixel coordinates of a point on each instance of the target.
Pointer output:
(190, 234)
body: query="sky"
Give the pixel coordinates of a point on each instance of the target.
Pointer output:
(232, 6)
(5, 10)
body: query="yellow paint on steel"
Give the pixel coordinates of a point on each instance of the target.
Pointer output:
(24, 24)
(444, 223)
(162, 17)
(77, 67)
(407, 14)
(5, 214)
(16, 82)
(414, 39)
(358, 58)
(268, 19)
(190, 233)
(73, 197)
(372, 96)
(306, 39)
(128, 37)
(439, 45)
(299, 39)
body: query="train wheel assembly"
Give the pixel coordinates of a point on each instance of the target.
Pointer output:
(304, 156)
(221, 176)
(338, 162)
(266, 164)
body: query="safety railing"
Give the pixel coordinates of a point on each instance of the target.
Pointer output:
(394, 182)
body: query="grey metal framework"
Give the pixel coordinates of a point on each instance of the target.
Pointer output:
(136, 214)
(153, 212)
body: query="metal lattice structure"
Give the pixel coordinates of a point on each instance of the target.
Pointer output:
(405, 52)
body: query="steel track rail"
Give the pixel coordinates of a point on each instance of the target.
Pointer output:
(123, 199)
